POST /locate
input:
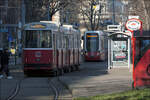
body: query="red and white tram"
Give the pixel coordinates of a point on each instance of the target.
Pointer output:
(95, 46)
(141, 58)
(47, 47)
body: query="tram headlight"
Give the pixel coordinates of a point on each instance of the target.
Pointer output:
(98, 54)
(86, 54)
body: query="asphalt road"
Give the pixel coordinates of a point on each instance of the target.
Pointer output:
(94, 78)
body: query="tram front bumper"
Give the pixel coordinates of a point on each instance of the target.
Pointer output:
(38, 67)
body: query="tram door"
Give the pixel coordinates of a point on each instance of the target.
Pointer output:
(119, 51)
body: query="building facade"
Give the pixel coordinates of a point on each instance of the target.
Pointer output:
(10, 19)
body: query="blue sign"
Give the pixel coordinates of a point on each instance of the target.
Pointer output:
(10, 38)
(3, 30)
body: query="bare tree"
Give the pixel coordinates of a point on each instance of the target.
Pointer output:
(55, 6)
(44, 9)
(91, 13)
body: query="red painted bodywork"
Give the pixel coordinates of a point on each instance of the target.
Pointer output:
(30, 60)
(92, 56)
(141, 77)
(141, 70)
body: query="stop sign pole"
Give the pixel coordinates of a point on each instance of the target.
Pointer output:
(133, 25)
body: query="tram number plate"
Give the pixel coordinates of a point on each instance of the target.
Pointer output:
(38, 54)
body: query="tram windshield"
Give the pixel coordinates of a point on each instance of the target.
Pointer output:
(38, 39)
(92, 42)
(142, 46)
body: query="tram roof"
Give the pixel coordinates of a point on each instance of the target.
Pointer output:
(144, 33)
(99, 32)
(43, 25)
(116, 33)
(68, 29)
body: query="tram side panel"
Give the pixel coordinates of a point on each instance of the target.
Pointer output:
(59, 51)
(70, 50)
(59, 58)
(71, 57)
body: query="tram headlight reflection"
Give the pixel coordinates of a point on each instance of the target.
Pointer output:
(86, 54)
(26, 60)
(98, 53)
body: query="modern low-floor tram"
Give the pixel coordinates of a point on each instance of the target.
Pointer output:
(95, 46)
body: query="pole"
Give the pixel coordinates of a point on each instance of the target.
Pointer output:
(113, 12)
(48, 13)
(23, 12)
(129, 57)
(109, 50)
(67, 15)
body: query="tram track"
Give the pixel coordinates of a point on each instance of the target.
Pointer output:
(55, 90)
(60, 90)
(15, 91)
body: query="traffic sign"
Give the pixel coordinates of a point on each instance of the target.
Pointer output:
(113, 27)
(133, 24)
(130, 17)
(10, 38)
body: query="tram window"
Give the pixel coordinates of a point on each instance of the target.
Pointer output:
(57, 41)
(75, 42)
(31, 39)
(38, 39)
(60, 41)
(70, 42)
(142, 45)
(78, 41)
(64, 42)
(102, 43)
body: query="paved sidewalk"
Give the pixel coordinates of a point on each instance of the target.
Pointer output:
(115, 80)
(15, 63)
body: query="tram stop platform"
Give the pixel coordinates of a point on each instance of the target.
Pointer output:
(116, 80)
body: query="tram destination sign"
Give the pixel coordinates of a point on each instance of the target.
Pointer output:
(38, 26)
(133, 24)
